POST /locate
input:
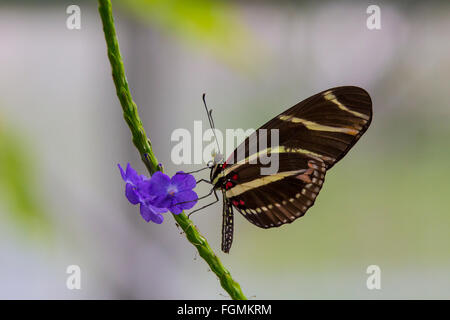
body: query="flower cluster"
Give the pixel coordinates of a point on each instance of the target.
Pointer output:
(160, 193)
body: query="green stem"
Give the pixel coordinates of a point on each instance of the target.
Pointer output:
(142, 143)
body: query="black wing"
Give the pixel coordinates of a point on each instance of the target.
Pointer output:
(313, 136)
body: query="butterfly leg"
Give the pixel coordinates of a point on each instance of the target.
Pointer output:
(206, 195)
(209, 204)
(200, 198)
(195, 171)
(203, 180)
(203, 197)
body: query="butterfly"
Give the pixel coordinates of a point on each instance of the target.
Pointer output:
(313, 136)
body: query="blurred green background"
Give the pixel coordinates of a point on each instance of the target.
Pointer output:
(62, 135)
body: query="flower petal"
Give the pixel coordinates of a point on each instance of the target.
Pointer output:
(149, 215)
(157, 218)
(186, 199)
(158, 184)
(158, 210)
(183, 181)
(175, 209)
(161, 201)
(122, 172)
(132, 175)
(132, 194)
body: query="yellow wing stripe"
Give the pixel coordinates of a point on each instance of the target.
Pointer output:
(318, 127)
(332, 98)
(246, 186)
(278, 149)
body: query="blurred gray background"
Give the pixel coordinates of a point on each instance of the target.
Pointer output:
(62, 135)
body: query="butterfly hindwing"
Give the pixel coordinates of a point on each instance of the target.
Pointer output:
(282, 201)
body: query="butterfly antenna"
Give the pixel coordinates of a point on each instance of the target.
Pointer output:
(211, 121)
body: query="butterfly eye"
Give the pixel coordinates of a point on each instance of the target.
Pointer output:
(210, 164)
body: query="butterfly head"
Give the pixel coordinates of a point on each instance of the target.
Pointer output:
(215, 164)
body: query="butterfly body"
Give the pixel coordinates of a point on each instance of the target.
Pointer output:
(313, 136)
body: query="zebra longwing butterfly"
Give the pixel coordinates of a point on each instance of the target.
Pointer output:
(313, 136)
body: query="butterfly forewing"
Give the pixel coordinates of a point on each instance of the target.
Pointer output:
(327, 124)
(313, 136)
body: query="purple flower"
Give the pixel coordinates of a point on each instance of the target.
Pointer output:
(136, 191)
(174, 193)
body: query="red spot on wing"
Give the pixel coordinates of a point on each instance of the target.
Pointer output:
(228, 185)
(230, 159)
